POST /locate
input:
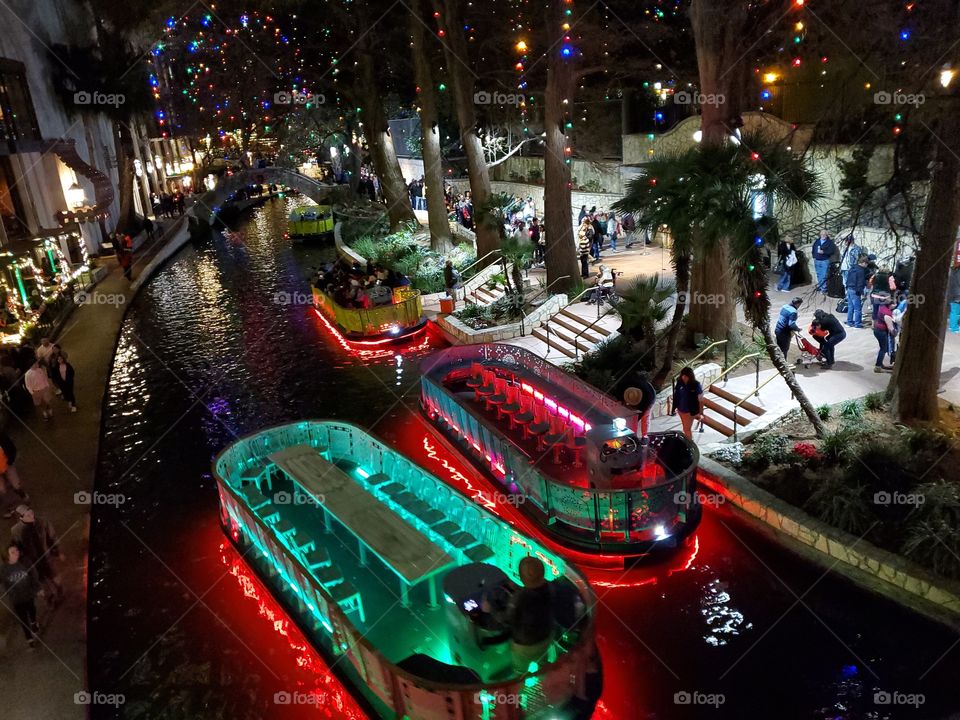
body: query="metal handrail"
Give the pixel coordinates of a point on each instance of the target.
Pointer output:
(469, 267)
(752, 356)
(477, 262)
(708, 348)
(755, 391)
(576, 348)
(523, 317)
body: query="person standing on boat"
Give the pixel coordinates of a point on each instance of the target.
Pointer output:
(531, 618)
(641, 396)
(686, 400)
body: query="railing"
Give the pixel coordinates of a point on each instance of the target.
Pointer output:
(405, 311)
(466, 280)
(756, 391)
(576, 348)
(530, 301)
(752, 356)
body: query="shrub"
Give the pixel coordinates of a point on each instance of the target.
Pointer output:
(842, 504)
(807, 451)
(769, 448)
(838, 445)
(823, 412)
(935, 544)
(875, 401)
(508, 307)
(610, 364)
(851, 410)
(732, 453)
(366, 247)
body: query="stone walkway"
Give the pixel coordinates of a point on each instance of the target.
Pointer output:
(57, 460)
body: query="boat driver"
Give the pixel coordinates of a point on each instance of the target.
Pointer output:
(529, 616)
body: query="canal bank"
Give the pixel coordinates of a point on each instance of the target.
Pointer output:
(57, 462)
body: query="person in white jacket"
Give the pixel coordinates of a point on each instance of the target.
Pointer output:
(38, 384)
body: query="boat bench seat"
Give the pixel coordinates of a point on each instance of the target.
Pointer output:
(393, 488)
(446, 529)
(348, 598)
(461, 540)
(255, 499)
(406, 499)
(284, 527)
(317, 558)
(268, 513)
(328, 576)
(303, 543)
(478, 553)
(431, 516)
(378, 479)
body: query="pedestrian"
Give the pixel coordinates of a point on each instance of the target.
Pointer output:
(40, 388)
(148, 227)
(850, 257)
(539, 243)
(583, 213)
(39, 546)
(584, 243)
(45, 350)
(613, 230)
(787, 324)
(641, 396)
(10, 482)
(20, 588)
(823, 249)
(65, 374)
(125, 258)
(599, 228)
(833, 335)
(686, 400)
(883, 331)
(953, 297)
(882, 287)
(788, 259)
(855, 284)
(451, 279)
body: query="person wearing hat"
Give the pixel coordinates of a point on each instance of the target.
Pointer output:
(530, 616)
(641, 396)
(38, 545)
(787, 324)
(883, 331)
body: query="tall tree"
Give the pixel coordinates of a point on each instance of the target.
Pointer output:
(429, 131)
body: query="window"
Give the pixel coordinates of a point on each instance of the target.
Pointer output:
(18, 121)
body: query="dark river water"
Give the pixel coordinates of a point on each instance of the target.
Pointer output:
(222, 342)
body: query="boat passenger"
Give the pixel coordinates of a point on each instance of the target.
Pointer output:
(529, 616)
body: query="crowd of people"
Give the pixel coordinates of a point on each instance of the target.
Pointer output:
(168, 205)
(598, 231)
(29, 565)
(355, 286)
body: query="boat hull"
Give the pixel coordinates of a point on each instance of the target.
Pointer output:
(384, 325)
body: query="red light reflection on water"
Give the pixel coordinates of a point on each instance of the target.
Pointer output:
(379, 353)
(318, 693)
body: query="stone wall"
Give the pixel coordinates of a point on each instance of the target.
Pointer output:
(600, 200)
(877, 569)
(466, 335)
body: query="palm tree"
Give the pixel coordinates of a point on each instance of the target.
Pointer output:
(516, 252)
(703, 195)
(641, 308)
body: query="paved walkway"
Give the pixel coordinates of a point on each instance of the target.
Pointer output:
(57, 460)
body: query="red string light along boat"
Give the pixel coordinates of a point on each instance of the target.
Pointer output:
(395, 316)
(396, 578)
(569, 454)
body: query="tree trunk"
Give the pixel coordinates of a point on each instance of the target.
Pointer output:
(457, 56)
(916, 376)
(780, 363)
(681, 265)
(717, 29)
(353, 163)
(430, 135)
(382, 152)
(123, 145)
(561, 250)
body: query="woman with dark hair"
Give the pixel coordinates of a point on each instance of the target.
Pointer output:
(686, 400)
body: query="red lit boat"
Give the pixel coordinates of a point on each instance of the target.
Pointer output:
(569, 454)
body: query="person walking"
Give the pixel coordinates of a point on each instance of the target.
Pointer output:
(65, 374)
(641, 396)
(535, 239)
(823, 249)
(787, 324)
(953, 297)
(583, 213)
(40, 388)
(613, 231)
(584, 243)
(686, 400)
(39, 545)
(148, 227)
(9, 477)
(883, 331)
(451, 279)
(855, 284)
(850, 257)
(20, 587)
(787, 262)
(599, 228)
(834, 335)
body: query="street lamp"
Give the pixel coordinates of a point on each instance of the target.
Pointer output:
(75, 196)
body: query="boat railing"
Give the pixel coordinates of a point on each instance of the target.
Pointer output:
(405, 311)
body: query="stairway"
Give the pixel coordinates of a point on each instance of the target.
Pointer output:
(485, 294)
(66, 150)
(718, 404)
(569, 333)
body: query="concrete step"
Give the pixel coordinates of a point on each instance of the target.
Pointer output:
(567, 313)
(714, 424)
(553, 342)
(733, 400)
(569, 337)
(727, 412)
(577, 327)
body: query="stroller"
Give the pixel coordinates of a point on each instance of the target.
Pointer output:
(810, 352)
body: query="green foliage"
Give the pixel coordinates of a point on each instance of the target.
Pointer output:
(838, 445)
(769, 448)
(851, 410)
(935, 544)
(841, 504)
(823, 412)
(507, 308)
(402, 252)
(476, 316)
(613, 359)
(642, 306)
(875, 402)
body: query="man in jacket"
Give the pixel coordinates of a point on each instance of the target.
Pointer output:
(856, 283)
(787, 324)
(823, 249)
(38, 546)
(851, 254)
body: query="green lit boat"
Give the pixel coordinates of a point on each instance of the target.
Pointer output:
(390, 572)
(311, 221)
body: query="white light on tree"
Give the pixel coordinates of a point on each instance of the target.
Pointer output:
(333, 152)
(946, 75)
(75, 196)
(698, 136)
